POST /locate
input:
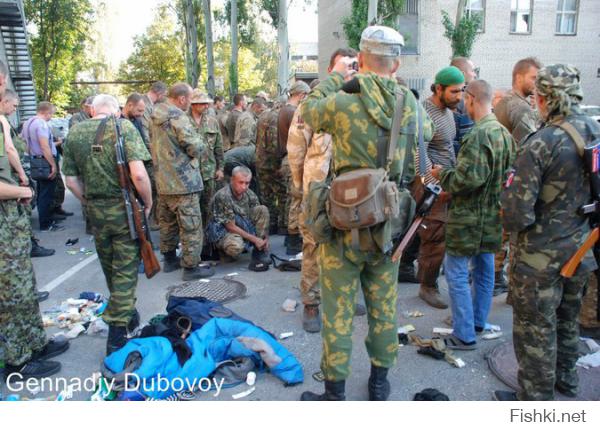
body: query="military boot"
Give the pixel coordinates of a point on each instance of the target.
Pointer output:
(334, 391)
(431, 295)
(197, 273)
(311, 321)
(379, 386)
(38, 251)
(260, 256)
(171, 261)
(499, 284)
(117, 338)
(294, 244)
(406, 273)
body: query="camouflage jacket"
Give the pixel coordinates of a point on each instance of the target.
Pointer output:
(354, 119)
(514, 112)
(177, 151)
(6, 174)
(245, 130)
(309, 153)
(267, 147)
(245, 156)
(78, 117)
(225, 206)
(146, 118)
(222, 117)
(212, 160)
(475, 183)
(97, 165)
(231, 125)
(543, 195)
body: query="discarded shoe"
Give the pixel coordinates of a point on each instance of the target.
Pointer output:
(334, 391)
(431, 295)
(311, 321)
(41, 296)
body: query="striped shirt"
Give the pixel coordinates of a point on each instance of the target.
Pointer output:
(441, 148)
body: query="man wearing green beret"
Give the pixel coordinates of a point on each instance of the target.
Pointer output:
(447, 93)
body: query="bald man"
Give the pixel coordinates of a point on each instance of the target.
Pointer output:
(474, 230)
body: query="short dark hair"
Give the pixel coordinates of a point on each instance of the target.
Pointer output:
(522, 66)
(159, 87)
(344, 52)
(219, 99)
(179, 89)
(238, 98)
(134, 98)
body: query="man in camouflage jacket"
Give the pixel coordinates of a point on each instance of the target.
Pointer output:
(540, 205)
(473, 230)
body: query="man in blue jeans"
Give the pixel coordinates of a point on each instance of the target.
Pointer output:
(40, 143)
(474, 230)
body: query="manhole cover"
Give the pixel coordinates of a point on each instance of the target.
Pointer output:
(221, 290)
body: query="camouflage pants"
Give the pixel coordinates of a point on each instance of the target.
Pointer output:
(59, 192)
(119, 257)
(589, 305)
(309, 280)
(343, 271)
(545, 329)
(233, 245)
(293, 199)
(180, 219)
(273, 195)
(205, 198)
(153, 219)
(431, 251)
(502, 254)
(21, 328)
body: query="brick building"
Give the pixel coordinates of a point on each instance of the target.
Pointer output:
(552, 30)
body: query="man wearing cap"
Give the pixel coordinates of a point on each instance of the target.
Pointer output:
(540, 203)
(473, 229)
(447, 94)
(358, 118)
(293, 195)
(211, 164)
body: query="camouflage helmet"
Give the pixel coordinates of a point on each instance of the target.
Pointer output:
(560, 85)
(381, 41)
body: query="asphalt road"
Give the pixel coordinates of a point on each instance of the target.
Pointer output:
(265, 294)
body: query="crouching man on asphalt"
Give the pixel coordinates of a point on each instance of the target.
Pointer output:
(238, 221)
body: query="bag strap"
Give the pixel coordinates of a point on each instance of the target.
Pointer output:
(395, 132)
(100, 132)
(574, 134)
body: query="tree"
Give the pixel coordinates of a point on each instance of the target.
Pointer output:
(278, 11)
(58, 45)
(463, 32)
(357, 21)
(210, 61)
(157, 54)
(190, 23)
(233, 65)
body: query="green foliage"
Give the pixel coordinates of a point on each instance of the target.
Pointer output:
(157, 54)
(462, 36)
(356, 22)
(57, 43)
(246, 21)
(272, 8)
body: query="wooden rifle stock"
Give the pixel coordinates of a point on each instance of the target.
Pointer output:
(570, 267)
(407, 239)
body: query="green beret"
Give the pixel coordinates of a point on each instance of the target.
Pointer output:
(450, 76)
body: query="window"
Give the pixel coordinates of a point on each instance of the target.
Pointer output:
(476, 7)
(566, 17)
(408, 25)
(520, 16)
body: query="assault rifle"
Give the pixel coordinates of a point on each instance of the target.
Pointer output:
(136, 215)
(431, 193)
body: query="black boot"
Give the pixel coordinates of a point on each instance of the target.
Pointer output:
(294, 244)
(117, 338)
(134, 321)
(505, 396)
(379, 386)
(260, 256)
(334, 391)
(171, 261)
(38, 251)
(197, 273)
(499, 284)
(41, 296)
(406, 273)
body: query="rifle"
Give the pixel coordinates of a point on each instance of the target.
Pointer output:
(136, 215)
(430, 195)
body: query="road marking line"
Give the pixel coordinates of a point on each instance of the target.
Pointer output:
(71, 272)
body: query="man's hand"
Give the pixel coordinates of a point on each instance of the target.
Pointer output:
(23, 180)
(52, 171)
(26, 196)
(261, 244)
(219, 175)
(435, 171)
(344, 67)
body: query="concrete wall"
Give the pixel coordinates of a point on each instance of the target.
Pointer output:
(496, 50)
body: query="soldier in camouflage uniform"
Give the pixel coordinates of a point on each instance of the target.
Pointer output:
(212, 163)
(245, 129)
(516, 114)
(473, 229)
(84, 114)
(268, 164)
(540, 204)
(23, 345)
(178, 150)
(354, 118)
(91, 169)
(237, 220)
(242, 156)
(239, 107)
